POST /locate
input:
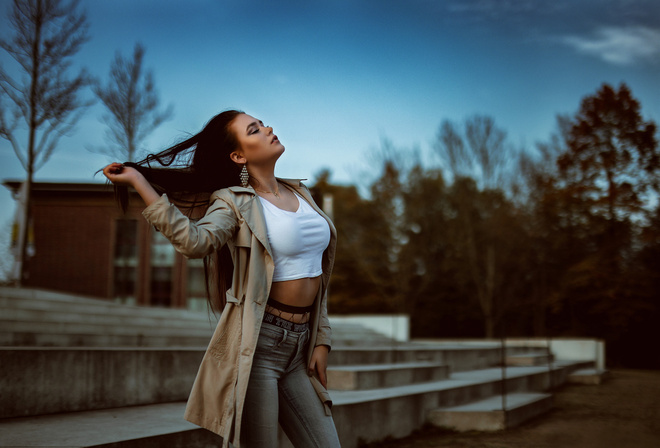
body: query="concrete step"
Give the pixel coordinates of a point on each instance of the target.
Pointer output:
(37, 299)
(353, 338)
(103, 377)
(373, 376)
(135, 316)
(85, 328)
(46, 306)
(44, 318)
(137, 339)
(360, 416)
(528, 359)
(104, 328)
(154, 426)
(489, 414)
(40, 380)
(458, 357)
(403, 409)
(588, 376)
(352, 334)
(33, 317)
(84, 334)
(57, 334)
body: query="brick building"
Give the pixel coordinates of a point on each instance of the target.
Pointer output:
(85, 245)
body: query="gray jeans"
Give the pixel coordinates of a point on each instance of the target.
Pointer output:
(280, 390)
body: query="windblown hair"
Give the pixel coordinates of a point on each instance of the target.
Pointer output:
(188, 173)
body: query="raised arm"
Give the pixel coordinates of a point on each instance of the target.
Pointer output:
(123, 175)
(192, 239)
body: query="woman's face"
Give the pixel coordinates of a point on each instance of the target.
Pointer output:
(257, 143)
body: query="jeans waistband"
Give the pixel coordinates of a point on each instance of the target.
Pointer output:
(290, 308)
(285, 324)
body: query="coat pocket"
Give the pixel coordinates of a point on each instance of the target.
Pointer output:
(228, 338)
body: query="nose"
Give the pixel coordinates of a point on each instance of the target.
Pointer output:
(269, 129)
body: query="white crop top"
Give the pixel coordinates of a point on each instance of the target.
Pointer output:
(297, 240)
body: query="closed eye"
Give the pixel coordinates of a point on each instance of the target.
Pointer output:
(254, 127)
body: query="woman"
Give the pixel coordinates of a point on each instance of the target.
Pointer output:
(267, 359)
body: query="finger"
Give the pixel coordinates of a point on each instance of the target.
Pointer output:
(113, 169)
(323, 377)
(311, 368)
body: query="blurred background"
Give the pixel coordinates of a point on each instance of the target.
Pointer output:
(491, 166)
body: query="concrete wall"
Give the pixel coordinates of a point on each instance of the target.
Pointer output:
(577, 349)
(395, 326)
(569, 349)
(48, 380)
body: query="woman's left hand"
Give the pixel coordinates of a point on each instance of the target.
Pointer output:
(319, 363)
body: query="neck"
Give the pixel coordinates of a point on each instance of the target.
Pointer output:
(264, 181)
(264, 184)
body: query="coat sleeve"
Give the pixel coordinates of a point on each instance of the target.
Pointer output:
(193, 239)
(324, 332)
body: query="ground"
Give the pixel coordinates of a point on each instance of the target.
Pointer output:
(622, 412)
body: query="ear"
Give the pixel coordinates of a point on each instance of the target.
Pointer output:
(237, 157)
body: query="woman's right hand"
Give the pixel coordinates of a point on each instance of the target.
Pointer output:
(119, 174)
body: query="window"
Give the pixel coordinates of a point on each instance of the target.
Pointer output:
(162, 263)
(196, 288)
(125, 260)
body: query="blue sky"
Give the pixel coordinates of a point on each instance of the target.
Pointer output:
(334, 77)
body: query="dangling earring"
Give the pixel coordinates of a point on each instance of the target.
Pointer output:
(244, 176)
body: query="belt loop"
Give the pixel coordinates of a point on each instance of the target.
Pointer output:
(284, 336)
(302, 340)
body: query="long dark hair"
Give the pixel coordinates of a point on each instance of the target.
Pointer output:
(188, 173)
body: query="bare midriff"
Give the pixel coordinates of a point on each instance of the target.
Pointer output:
(300, 292)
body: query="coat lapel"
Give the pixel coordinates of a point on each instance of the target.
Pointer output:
(253, 213)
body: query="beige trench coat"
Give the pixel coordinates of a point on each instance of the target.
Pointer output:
(235, 217)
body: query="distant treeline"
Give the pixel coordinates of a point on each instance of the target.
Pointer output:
(497, 241)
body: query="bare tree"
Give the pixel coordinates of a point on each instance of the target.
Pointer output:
(481, 153)
(45, 102)
(5, 252)
(132, 101)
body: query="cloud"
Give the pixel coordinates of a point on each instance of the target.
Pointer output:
(503, 9)
(620, 46)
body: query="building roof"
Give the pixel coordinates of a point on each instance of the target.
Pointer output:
(14, 186)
